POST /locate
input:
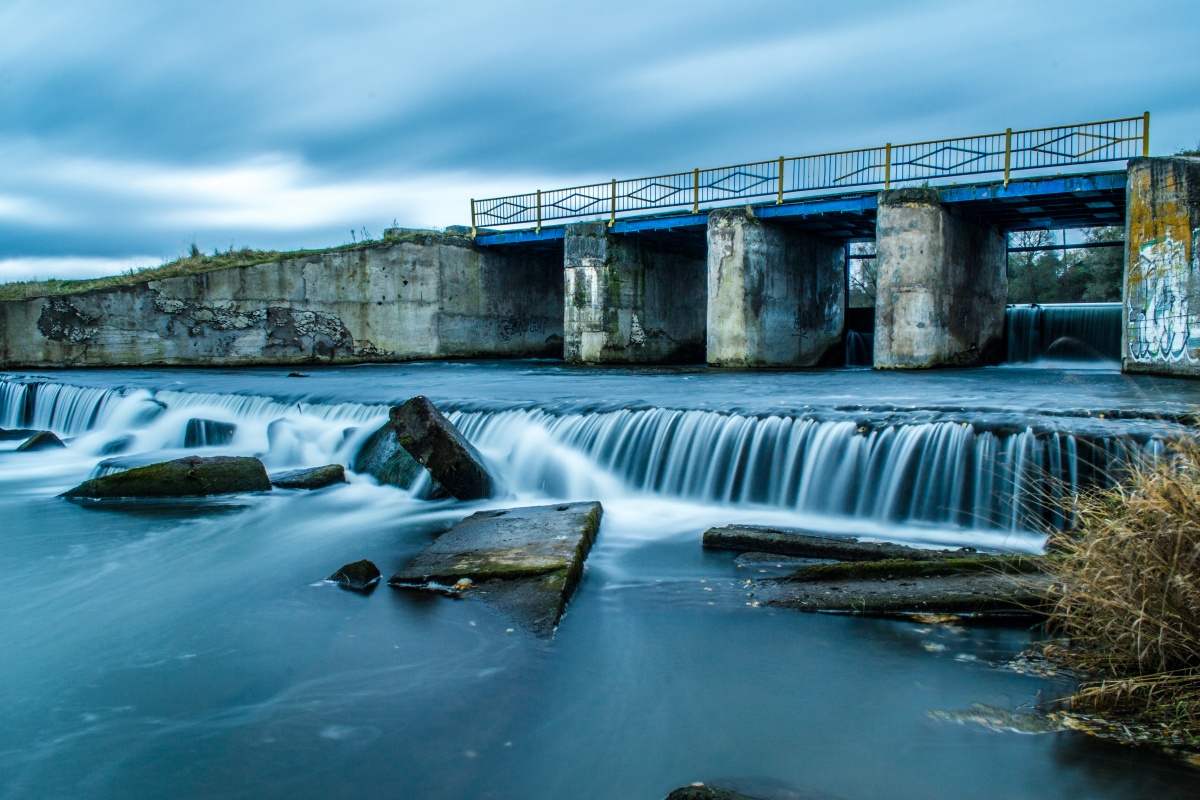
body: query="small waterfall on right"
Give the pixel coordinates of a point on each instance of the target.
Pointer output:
(1063, 332)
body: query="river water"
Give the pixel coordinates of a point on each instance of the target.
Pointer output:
(192, 649)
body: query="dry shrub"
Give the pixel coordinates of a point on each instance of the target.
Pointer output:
(1129, 591)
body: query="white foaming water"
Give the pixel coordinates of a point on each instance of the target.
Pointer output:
(939, 482)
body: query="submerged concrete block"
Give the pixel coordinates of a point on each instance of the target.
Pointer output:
(629, 301)
(941, 286)
(775, 295)
(524, 561)
(1162, 267)
(193, 476)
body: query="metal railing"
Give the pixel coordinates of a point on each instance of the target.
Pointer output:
(1007, 152)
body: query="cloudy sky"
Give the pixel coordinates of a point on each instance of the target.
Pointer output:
(132, 128)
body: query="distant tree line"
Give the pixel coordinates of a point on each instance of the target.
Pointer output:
(1081, 275)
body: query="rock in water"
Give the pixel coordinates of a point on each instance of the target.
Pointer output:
(208, 433)
(43, 440)
(383, 458)
(359, 576)
(311, 478)
(10, 435)
(524, 561)
(807, 544)
(193, 476)
(433, 441)
(706, 793)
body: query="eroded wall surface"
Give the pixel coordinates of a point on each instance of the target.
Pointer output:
(1162, 267)
(428, 296)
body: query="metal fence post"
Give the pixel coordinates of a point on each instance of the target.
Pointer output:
(887, 167)
(779, 199)
(696, 191)
(612, 220)
(1146, 135)
(472, 219)
(539, 210)
(1007, 153)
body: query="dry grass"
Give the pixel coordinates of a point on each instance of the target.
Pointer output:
(1128, 598)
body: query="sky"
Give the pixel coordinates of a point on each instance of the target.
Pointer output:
(130, 129)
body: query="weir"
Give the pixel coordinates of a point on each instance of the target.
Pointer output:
(967, 470)
(1067, 331)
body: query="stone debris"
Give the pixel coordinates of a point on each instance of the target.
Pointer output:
(193, 476)
(310, 478)
(809, 544)
(525, 562)
(438, 446)
(358, 576)
(42, 440)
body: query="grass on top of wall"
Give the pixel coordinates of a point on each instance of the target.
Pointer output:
(193, 263)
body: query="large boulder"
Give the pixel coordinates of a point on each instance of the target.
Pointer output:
(208, 433)
(193, 476)
(42, 440)
(311, 478)
(524, 561)
(383, 458)
(433, 441)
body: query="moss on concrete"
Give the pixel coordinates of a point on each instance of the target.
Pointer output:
(184, 477)
(907, 568)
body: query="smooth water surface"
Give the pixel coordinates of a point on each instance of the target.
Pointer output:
(192, 649)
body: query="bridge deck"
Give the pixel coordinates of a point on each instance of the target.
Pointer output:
(1059, 201)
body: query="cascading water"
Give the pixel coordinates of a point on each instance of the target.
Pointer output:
(860, 349)
(1066, 331)
(902, 469)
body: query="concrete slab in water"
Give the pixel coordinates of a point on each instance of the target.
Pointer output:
(806, 544)
(524, 561)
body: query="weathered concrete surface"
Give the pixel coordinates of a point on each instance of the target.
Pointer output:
(941, 286)
(1162, 267)
(193, 476)
(806, 544)
(962, 593)
(438, 446)
(420, 296)
(359, 576)
(775, 295)
(310, 478)
(42, 440)
(385, 459)
(524, 561)
(629, 300)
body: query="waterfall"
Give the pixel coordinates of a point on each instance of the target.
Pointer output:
(1074, 331)
(860, 349)
(907, 468)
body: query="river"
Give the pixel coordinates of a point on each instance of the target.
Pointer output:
(192, 649)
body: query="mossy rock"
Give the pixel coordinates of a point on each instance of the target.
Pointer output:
(310, 478)
(437, 445)
(194, 476)
(382, 457)
(43, 440)
(358, 576)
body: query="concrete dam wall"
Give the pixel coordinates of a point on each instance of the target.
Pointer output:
(420, 296)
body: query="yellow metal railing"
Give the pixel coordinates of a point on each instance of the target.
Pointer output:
(1006, 153)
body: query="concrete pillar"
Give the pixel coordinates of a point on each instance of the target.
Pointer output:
(775, 295)
(941, 284)
(630, 301)
(1162, 267)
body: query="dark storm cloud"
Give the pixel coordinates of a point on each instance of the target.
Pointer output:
(138, 127)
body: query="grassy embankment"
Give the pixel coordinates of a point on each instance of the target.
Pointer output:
(1128, 602)
(194, 263)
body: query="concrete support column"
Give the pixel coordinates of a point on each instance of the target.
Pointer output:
(775, 295)
(629, 301)
(1162, 267)
(941, 284)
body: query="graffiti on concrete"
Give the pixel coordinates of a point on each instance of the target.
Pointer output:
(1164, 302)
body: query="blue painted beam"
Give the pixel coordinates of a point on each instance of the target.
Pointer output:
(660, 223)
(520, 237)
(1021, 190)
(804, 208)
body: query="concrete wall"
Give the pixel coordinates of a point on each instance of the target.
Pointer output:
(775, 295)
(424, 296)
(628, 300)
(1162, 267)
(941, 284)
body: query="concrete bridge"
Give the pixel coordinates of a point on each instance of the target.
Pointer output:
(763, 283)
(740, 266)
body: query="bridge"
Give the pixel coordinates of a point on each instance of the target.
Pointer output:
(746, 265)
